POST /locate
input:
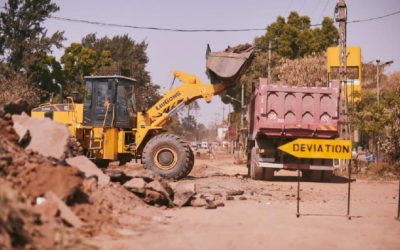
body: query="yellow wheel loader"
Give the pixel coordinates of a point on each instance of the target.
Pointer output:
(109, 128)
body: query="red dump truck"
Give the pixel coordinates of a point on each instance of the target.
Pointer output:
(280, 114)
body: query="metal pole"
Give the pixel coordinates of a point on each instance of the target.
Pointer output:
(298, 191)
(377, 81)
(269, 62)
(398, 204)
(348, 192)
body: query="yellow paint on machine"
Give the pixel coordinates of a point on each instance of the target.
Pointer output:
(318, 148)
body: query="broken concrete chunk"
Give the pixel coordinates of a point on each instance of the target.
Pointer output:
(211, 205)
(208, 197)
(146, 174)
(136, 185)
(219, 202)
(183, 192)
(22, 132)
(47, 208)
(153, 197)
(234, 192)
(48, 138)
(158, 187)
(117, 175)
(230, 198)
(198, 202)
(88, 168)
(65, 212)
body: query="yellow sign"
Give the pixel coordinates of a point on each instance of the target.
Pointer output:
(318, 148)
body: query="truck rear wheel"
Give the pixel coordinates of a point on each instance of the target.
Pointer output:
(169, 156)
(256, 172)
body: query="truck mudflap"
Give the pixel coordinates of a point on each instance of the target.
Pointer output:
(291, 166)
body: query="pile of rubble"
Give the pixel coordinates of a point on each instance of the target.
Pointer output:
(47, 194)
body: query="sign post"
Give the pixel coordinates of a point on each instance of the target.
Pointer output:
(320, 149)
(398, 204)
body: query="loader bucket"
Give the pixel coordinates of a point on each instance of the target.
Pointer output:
(226, 66)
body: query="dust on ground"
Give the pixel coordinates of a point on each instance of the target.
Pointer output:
(48, 204)
(262, 214)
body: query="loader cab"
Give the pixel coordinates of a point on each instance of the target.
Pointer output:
(109, 102)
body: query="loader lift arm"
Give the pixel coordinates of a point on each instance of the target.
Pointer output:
(160, 113)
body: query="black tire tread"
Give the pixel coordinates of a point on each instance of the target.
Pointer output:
(178, 172)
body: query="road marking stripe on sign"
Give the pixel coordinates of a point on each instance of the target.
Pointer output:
(318, 148)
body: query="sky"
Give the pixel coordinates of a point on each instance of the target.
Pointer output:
(167, 51)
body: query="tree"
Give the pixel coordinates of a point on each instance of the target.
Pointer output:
(24, 42)
(295, 38)
(307, 71)
(128, 58)
(79, 61)
(294, 44)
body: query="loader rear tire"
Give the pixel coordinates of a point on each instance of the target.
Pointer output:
(169, 156)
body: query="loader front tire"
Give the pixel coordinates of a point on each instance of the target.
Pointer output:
(169, 156)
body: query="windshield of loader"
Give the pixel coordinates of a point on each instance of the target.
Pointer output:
(126, 108)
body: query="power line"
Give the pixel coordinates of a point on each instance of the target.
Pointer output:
(152, 28)
(375, 18)
(200, 30)
(323, 10)
(203, 30)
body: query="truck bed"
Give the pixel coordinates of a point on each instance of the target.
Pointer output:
(290, 111)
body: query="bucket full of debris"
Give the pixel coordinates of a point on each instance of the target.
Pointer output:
(227, 66)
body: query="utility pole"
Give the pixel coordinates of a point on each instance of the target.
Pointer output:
(269, 63)
(341, 18)
(377, 81)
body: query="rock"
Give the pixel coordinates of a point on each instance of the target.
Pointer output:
(48, 138)
(219, 202)
(88, 168)
(89, 185)
(234, 192)
(22, 132)
(145, 174)
(242, 198)
(230, 198)
(211, 205)
(266, 194)
(208, 197)
(113, 164)
(158, 187)
(117, 175)
(65, 212)
(198, 202)
(153, 197)
(47, 208)
(136, 185)
(183, 192)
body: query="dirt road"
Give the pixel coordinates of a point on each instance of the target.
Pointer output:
(264, 216)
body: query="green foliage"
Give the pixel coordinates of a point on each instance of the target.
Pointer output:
(296, 54)
(295, 38)
(79, 61)
(24, 43)
(121, 55)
